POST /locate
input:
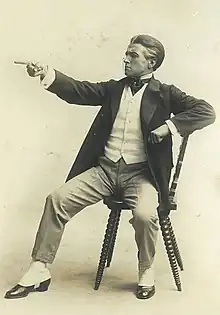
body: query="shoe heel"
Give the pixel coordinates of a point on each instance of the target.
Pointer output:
(44, 286)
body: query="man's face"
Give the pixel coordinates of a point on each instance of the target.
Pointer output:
(136, 62)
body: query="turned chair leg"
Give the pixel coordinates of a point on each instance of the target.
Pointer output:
(109, 238)
(165, 228)
(113, 239)
(175, 245)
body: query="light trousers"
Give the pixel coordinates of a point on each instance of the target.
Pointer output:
(91, 187)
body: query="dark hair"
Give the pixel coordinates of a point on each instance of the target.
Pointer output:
(154, 47)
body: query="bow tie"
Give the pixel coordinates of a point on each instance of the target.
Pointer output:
(136, 84)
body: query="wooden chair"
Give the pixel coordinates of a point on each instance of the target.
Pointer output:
(116, 204)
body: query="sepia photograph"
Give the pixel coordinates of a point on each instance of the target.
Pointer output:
(110, 157)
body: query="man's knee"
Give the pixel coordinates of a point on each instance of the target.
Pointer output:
(57, 203)
(146, 210)
(146, 217)
(58, 196)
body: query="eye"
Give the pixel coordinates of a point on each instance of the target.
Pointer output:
(134, 55)
(131, 54)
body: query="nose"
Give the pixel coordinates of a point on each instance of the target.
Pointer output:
(125, 60)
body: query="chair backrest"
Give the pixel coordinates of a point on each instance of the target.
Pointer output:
(179, 163)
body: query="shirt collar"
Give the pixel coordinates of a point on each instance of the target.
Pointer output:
(146, 76)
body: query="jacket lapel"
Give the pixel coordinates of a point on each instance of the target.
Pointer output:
(150, 100)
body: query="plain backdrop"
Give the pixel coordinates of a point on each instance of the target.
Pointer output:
(40, 135)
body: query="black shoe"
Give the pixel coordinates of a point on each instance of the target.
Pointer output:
(20, 291)
(145, 292)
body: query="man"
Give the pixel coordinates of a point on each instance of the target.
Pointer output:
(128, 148)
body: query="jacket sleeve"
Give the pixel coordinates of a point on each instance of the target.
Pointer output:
(190, 113)
(78, 92)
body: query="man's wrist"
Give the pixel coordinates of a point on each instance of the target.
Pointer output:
(48, 77)
(43, 75)
(172, 128)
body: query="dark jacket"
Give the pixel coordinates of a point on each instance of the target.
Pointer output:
(158, 102)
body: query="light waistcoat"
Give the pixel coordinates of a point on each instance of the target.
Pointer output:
(126, 139)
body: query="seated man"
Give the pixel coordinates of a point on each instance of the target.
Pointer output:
(128, 148)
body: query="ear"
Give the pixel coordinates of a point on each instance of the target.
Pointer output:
(152, 63)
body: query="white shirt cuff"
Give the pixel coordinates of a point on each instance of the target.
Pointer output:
(172, 127)
(49, 78)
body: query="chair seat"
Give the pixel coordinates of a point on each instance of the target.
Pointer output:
(114, 201)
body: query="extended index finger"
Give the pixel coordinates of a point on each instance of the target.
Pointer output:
(22, 62)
